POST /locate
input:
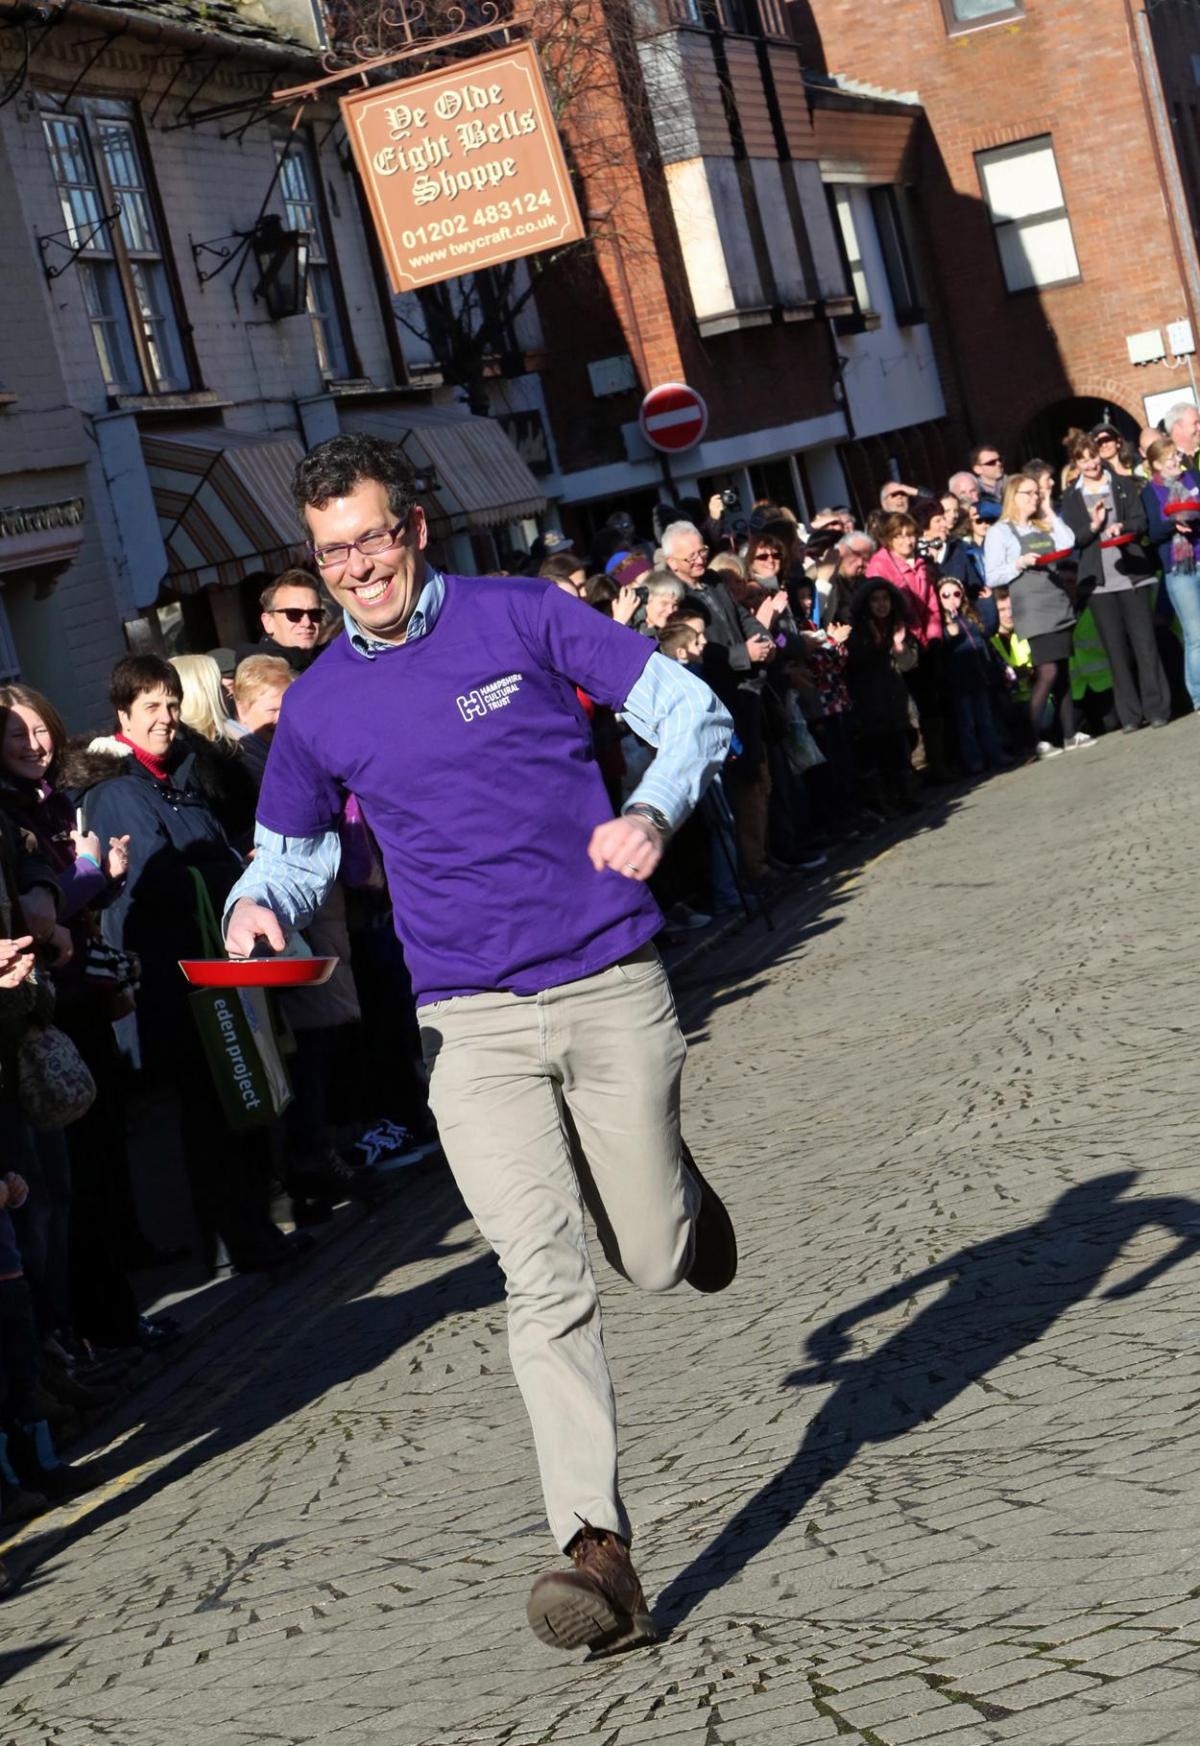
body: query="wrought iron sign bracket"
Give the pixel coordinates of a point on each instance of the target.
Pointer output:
(100, 46)
(220, 247)
(406, 17)
(55, 239)
(243, 238)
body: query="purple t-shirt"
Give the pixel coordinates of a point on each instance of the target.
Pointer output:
(473, 761)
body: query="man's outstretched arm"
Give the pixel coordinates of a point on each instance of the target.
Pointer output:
(282, 888)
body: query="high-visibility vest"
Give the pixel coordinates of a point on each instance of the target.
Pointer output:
(1089, 664)
(1019, 657)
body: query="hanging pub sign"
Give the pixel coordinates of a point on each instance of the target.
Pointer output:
(463, 168)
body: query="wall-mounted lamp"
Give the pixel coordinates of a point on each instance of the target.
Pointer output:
(282, 257)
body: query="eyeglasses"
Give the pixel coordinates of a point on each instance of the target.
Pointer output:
(989, 461)
(696, 557)
(768, 558)
(369, 544)
(1104, 442)
(298, 614)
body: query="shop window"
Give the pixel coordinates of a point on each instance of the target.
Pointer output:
(127, 278)
(772, 19)
(304, 209)
(1029, 214)
(738, 17)
(892, 229)
(845, 231)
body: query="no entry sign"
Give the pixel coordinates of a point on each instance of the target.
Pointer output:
(673, 417)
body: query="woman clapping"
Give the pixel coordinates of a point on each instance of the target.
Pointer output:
(1014, 552)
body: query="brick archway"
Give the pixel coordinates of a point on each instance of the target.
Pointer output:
(1043, 431)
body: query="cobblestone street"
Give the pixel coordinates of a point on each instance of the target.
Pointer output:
(927, 1472)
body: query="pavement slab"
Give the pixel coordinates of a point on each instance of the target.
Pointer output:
(927, 1472)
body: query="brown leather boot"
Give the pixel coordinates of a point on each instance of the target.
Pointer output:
(599, 1605)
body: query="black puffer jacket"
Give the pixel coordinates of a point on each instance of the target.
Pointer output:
(171, 829)
(874, 667)
(299, 660)
(21, 868)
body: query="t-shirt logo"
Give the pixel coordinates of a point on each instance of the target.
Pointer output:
(473, 705)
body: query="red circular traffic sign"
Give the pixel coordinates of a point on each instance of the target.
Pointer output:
(673, 417)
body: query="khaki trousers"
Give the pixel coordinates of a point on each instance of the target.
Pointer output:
(545, 1103)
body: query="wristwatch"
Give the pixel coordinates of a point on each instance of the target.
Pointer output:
(660, 821)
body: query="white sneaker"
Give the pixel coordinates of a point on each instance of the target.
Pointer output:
(1077, 742)
(391, 1146)
(1046, 750)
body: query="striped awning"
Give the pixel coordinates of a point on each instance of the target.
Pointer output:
(481, 479)
(224, 503)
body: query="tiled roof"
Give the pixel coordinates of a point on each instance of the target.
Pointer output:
(244, 22)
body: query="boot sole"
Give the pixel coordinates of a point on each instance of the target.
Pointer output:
(721, 1268)
(565, 1615)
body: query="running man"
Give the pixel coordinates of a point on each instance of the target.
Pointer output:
(547, 1024)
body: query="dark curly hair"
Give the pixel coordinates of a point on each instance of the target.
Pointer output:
(335, 467)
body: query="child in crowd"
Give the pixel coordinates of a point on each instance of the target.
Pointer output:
(681, 642)
(970, 674)
(880, 651)
(694, 614)
(1012, 703)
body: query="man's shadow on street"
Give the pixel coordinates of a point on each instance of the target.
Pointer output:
(1000, 1296)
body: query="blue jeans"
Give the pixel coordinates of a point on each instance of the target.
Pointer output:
(1184, 591)
(723, 851)
(978, 741)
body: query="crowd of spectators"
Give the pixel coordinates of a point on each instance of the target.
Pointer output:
(1010, 618)
(1006, 619)
(112, 847)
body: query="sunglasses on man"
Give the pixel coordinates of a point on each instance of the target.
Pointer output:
(299, 614)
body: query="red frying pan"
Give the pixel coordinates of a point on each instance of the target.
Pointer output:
(257, 972)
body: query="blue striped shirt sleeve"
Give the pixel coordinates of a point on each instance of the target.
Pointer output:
(675, 711)
(291, 876)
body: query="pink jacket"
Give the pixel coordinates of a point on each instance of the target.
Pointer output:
(918, 587)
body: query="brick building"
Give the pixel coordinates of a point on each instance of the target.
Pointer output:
(1059, 184)
(767, 253)
(856, 249)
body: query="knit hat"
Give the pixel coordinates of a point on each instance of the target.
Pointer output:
(628, 568)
